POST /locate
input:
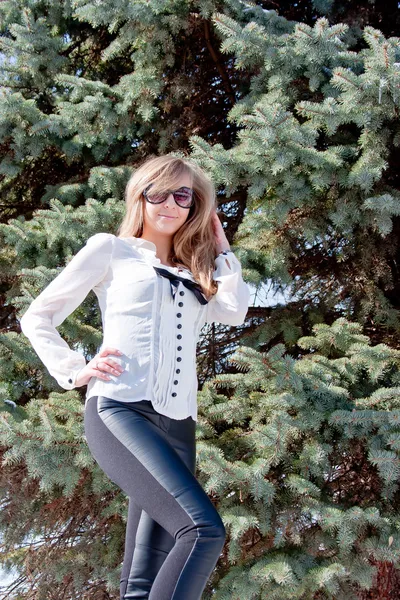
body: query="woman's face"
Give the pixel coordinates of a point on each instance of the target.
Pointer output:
(167, 217)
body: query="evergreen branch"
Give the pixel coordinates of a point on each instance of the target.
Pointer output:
(302, 28)
(341, 75)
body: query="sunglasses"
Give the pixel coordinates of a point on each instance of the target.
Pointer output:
(182, 196)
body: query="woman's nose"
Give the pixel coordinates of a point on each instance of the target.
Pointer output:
(170, 200)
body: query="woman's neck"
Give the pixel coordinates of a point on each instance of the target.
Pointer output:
(163, 248)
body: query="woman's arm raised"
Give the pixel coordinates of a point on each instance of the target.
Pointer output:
(230, 304)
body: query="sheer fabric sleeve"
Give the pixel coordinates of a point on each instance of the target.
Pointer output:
(230, 304)
(58, 300)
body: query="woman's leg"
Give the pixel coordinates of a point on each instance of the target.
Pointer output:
(132, 523)
(132, 447)
(147, 544)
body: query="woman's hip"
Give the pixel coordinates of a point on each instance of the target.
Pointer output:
(128, 420)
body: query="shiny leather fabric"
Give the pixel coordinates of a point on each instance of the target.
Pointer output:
(174, 534)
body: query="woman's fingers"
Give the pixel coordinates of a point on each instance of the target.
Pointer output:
(108, 364)
(102, 375)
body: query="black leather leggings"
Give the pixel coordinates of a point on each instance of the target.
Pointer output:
(174, 535)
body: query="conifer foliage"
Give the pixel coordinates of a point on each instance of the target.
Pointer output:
(297, 122)
(307, 470)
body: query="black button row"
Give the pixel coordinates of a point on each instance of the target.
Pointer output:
(179, 336)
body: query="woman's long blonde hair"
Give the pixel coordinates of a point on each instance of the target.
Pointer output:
(193, 245)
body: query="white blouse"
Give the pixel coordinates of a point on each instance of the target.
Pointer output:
(156, 330)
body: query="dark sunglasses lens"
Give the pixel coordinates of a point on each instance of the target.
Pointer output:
(157, 198)
(182, 197)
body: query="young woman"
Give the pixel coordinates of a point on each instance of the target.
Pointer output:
(169, 271)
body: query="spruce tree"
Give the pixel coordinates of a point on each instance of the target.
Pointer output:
(298, 437)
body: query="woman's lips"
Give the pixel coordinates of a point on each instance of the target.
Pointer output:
(166, 217)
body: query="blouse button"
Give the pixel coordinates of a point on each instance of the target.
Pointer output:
(179, 359)
(180, 303)
(179, 336)
(177, 371)
(173, 394)
(179, 348)
(179, 326)
(178, 314)
(175, 382)
(181, 293)
(70, 380)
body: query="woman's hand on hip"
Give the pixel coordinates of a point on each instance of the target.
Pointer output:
(99, 366)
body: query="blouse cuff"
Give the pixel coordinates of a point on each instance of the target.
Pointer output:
(229, 305)
(71, 381)
(227, 274)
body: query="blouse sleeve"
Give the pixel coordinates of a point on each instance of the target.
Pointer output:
(230, 304)
(58, 300)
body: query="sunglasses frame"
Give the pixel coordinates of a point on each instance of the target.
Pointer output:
(167, 193)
